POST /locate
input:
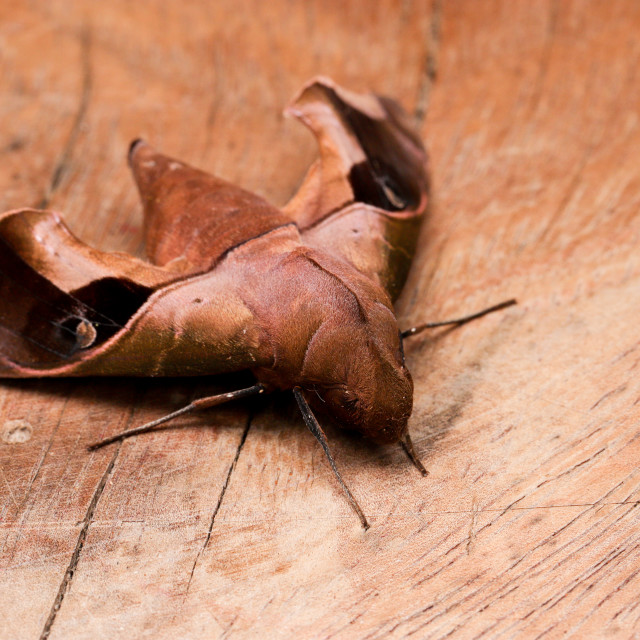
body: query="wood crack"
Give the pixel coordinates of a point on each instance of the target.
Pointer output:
(23, 502)
(430, 69)
(75, 557)
(35, 475)
(87, 83)
(227, 480)
(545, 59)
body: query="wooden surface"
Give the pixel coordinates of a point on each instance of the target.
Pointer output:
(528, 525)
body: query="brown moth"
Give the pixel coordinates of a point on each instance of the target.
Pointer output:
(300, 296)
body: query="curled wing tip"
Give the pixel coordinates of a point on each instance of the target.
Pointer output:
(32, 214)
(364, 197)
(135, 145)
(23, 210)
(322, 94)
(370, 152)
(321, 88)
(316, 81)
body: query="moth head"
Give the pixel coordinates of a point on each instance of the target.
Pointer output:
(362, 384)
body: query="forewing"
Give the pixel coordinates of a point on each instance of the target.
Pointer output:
(70, 310)
(193, 219)
(364, 199)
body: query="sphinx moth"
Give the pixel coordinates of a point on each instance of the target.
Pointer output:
(301, 296)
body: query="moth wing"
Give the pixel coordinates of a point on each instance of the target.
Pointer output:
(192, 218)
(364, 199)
(71, 310)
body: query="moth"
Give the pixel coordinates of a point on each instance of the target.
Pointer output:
(301, 296)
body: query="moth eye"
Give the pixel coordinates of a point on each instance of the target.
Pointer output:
(349, 403)
(343, 399)
(86, 334)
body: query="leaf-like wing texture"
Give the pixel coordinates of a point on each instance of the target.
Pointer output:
(364, 199)
(192, 218)
(70, 310)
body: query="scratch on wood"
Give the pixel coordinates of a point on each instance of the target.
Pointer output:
(513, 583)
(588, 573)
(615, 591)
(573, 468)
(536, 569)
(75, 557)
(613, 392)
(35, 475)
(229, 628)
(471, 538)
(9, 489)
(557, 598)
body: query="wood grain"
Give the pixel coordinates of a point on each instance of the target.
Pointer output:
(528, 421)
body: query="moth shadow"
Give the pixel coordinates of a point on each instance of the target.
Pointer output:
(164, 395)
(279, 412)
(439, 406)
(275, 411)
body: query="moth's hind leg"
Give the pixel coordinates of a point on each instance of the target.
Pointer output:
(196, 405)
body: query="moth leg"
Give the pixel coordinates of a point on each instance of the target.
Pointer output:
(316, 430)
(407, 445)
(458, 321)
(201, 403)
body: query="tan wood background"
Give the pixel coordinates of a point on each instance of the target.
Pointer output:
(528, 420)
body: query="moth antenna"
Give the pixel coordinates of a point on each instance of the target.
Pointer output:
(458, 321)
(196, 405)
(407, 445)
(316, 430)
